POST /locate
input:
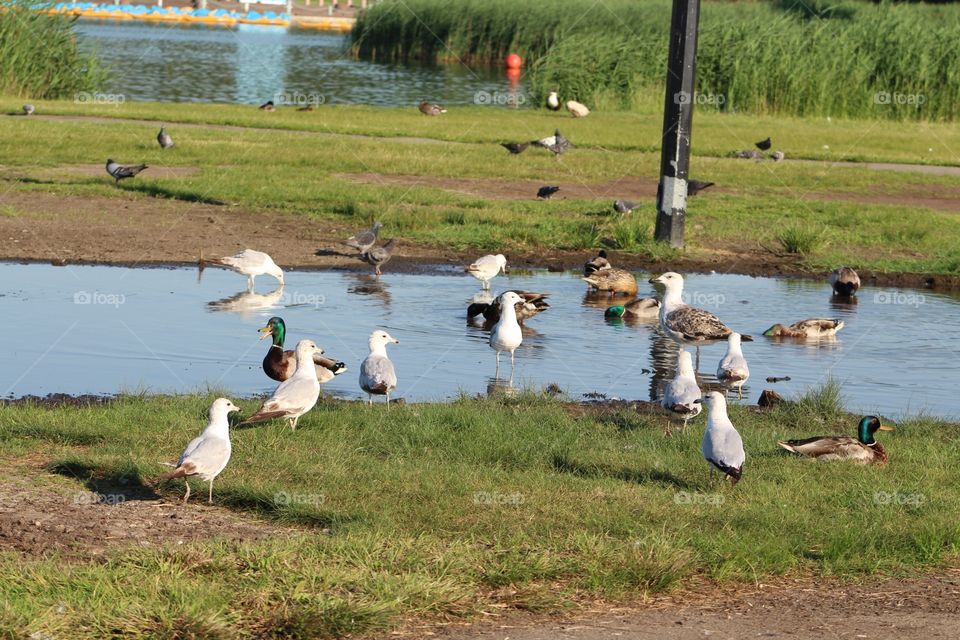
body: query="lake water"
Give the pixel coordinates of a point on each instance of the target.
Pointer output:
(195, 63)
(99, 329)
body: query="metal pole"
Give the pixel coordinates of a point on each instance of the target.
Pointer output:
(677, 122)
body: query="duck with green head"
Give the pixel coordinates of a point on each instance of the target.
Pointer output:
(863, 449)
(280, 365)
(641, 308)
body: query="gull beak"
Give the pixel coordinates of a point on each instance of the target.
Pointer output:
(698, 400)
(264, 332)
(655, 280)
(395, 341)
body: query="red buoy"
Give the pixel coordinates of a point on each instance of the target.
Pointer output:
(514, 61)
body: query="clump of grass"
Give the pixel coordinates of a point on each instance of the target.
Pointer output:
(800, 240)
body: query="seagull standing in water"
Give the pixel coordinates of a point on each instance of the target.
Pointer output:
(506, 335)
(377, 375)
(250, 263)
(682, 395)
(486, 268)
(207, 454)
(733, 370)
(722, 446)
(297, 394)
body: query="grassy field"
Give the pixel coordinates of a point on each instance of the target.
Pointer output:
(449, 510)
(305, 164)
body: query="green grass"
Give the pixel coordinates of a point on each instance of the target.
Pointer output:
(449, 510)
(40, 55)
(802, 240)
(826, 58)
(311, 176)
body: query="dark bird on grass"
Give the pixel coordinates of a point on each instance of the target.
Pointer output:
(379, 256)
(763, 145)
(164, 139)
(596, 264)
(555, 143)
(363, 240)
(845, 281)
(28, 110)
(749, 154)
(863, 449)
(624, 207)
(429, 109)
(553, 101)
(696, 186)
(530, 305)
(121, 172)
(777, 155)
(267, 106)
(546, 192)
(515, 147)
(308, 107)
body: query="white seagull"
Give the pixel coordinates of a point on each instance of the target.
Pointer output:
(733, 370)
(377, 375)
(486, 268)
(297, 394)
(207, 454)
(249, 263)
(506, 335)
(722, 446)
(682, 395)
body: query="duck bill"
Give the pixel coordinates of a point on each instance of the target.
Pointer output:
(886, 427)
(264, 332)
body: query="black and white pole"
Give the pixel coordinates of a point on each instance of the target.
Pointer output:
(677, 122)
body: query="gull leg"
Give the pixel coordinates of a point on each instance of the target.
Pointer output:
(370, 399)
(497, 374)
(740, 391)
(210, 493)
(186, 496)
(697, 368)
(388, 401)
(249, 283)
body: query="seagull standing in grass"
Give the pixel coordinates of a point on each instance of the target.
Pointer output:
(377, 375)
(486, 268)
(682, 395)
(297, 394)
(733, 370)
(207, 454)
(722, 446)
(250, 263)
(506, 335)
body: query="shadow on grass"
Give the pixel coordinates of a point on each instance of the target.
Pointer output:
(157, 191)
(637, 476)
(106, 481)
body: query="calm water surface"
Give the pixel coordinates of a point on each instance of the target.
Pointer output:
(195, 63)
(97, 329)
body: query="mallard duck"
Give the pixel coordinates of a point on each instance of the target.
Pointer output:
(596, 264)
(809, 328)
(862, 449)
(646, 308)
(530, 305)
(844, 281)
(280, 365)
(617, 281)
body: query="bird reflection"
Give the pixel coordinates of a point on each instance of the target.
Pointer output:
(369, 285)
(247, 302)
(844, 303)
(498, 387)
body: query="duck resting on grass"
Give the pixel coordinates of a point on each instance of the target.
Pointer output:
(280, 365)
(616, 281)
(809, 328)
(863, 449)
(641, 308)
(530, 304)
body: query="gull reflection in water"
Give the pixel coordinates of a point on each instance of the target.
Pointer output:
(247, 303)
(365, 284)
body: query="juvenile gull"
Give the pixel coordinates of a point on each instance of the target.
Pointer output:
(486, 268)
(722, 446)
(377, 375)
(506, 335)
(363, 240)
(250, 263)
(297, 394)
(682, 394)
(207, 454)
(684, 323)
(121, 172)
(733, 370)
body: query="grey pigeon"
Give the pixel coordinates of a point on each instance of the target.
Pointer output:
(763, 145)
(624, 206)
(429, 109)
(545, 192)
(365, 239)
(777, 155)
(379, 256)
(555, 143)
(28, 109)
(749, 154)
(164, 139)
(121, 172)
(515, 147)
(267, 106)
(696, 186)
